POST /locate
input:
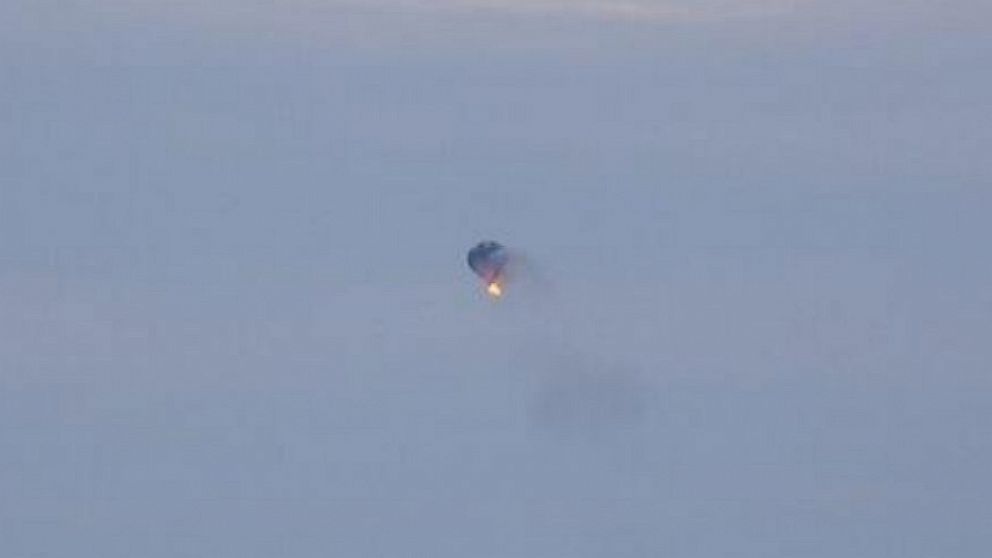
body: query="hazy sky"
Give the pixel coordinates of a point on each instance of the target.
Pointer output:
(236, 321)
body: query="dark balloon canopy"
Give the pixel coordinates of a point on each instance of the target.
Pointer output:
(487, 260)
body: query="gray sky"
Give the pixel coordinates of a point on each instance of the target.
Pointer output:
(236, 319)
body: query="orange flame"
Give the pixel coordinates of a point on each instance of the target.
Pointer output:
(494, 290)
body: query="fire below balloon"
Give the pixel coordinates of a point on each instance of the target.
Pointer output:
(494, 290)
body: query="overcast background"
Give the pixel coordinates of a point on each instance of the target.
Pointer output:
(236, 321)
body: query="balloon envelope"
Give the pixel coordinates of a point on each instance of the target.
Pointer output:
(487, 260)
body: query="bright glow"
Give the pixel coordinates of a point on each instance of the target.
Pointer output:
(494, 290)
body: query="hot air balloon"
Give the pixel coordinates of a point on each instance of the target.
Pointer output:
(487, 259)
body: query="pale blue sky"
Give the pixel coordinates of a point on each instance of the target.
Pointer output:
(237, 322)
